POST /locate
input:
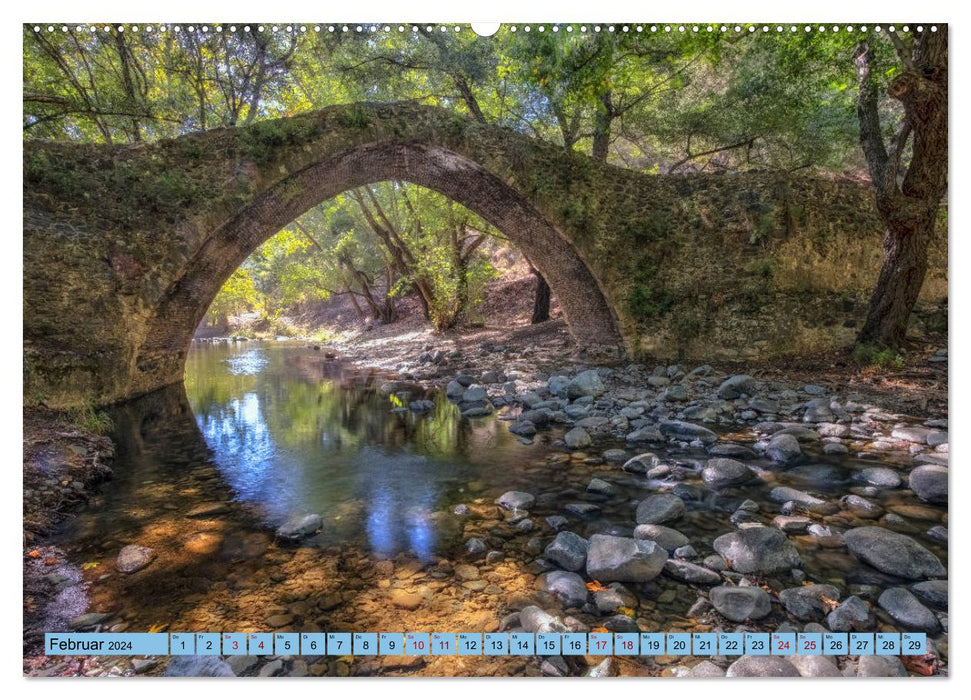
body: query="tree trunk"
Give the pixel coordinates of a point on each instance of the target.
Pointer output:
(541, 301)
(897, 288)
(908, 206)
(602, 119)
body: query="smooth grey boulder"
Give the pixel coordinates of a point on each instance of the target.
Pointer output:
(567, 550)
(667, 537)
(721, 472)
(706, 669)
(735, 386)
(681, 430)
(198, 666)
(762, 667)
(740, 603)
(903, 606)
(642, 463)
(881, 477)
(929, 482)
(783, 449)
(691, 573)
(516, 500)
(852, 615)
(815, 666)
(659, 508)
(134, 557)
(586, 383)
(871, 666)
(893, 553)
(932, 593)
(757, 550)
(612, 558)
(577, 438)
(567, 586)
(809, 602)
(300, 526)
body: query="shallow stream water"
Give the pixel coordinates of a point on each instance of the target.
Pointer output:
(260, 432)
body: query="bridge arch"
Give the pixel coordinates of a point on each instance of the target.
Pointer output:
(169, 332)
(126, 246)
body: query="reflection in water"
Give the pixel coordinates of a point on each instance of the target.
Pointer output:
(292, 433)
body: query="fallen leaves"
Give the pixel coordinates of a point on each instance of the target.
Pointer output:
(921, 665)
(596, 586)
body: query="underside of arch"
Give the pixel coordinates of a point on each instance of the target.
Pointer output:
(591, 321)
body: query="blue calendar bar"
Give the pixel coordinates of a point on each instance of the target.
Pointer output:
(783, 643)
(574, 644)
(704, 644)
(338, 643)
(861, 643)
(731, 644)
(601, 644)
(497, 644)
(809, 644)
(207, 644)
(182, 644)
(835, 643)
(470, 644)
(522, 644)
(888, 643)
(234, 644)
(757, 644)
(260, 643)
(392, 643)
(627, 644)
(287, 643)
(106, 644)
(312, 643)
(418, 644)
(548, 644)
(913, 643)
(490, 644)
(652, 644)
(679, 643)
(364, 643)
(443, 644)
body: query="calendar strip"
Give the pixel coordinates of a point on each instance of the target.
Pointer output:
(488, 644)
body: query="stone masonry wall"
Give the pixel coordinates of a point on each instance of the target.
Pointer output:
(124, 247)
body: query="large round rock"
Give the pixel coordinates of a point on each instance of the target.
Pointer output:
(810, 602)
(721, 472)
(761, 667)
(740, 603)
(659, 508)
(567, 586)
(667, 537)
(893, 553)
(757, 550)
(903, 606)
(568, 550)
(612, 558)
(929, 482)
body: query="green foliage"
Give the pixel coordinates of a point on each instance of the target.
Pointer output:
(647, 298)
(652, 101)
(237, 295)
(877, 357)
(87, 418)
(262, 141)
(355, 118)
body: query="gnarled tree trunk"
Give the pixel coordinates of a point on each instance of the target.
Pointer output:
(541, 301)
(908, 205)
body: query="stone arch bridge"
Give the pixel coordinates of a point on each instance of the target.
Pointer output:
(126, 246)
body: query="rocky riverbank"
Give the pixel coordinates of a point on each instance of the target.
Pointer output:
(666, 498)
